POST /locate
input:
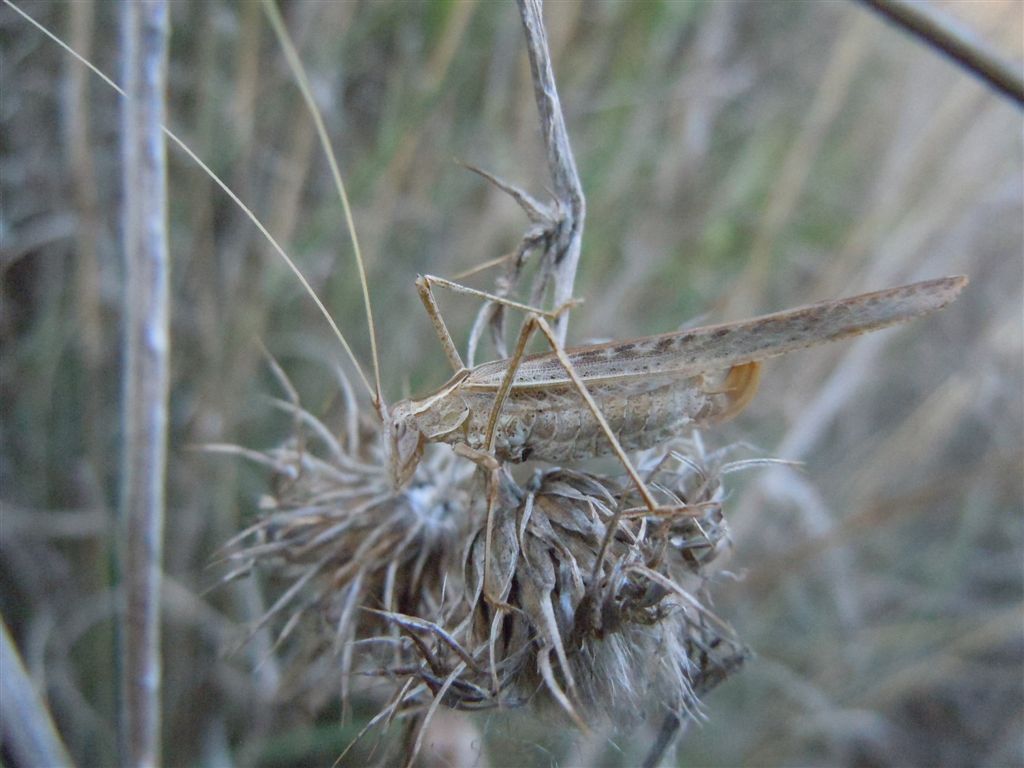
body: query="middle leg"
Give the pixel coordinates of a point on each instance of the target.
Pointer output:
(425, 285)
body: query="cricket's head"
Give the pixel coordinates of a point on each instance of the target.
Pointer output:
(404, 442)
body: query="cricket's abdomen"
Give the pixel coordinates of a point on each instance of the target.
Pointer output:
(554, 424)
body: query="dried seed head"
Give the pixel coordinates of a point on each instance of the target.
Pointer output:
(346, 545)
(425, 589)
(617, 613)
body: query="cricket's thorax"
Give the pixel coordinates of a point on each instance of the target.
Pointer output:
(553, 423)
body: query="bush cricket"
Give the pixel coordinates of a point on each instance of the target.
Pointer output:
(581, 402)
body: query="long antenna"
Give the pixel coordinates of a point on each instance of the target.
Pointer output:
(252, 217)
(307, 93)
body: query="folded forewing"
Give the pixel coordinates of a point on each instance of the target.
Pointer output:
(715, 347)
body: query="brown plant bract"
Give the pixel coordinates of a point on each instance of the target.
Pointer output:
(477, 614)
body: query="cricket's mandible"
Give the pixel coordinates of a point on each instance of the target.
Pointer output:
(648, 389)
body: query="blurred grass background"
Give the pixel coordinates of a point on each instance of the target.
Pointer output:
(737, 157)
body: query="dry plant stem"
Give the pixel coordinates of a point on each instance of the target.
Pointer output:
(666, 735)
(27, 728)
(941, 32)
(145, 376)
(567, 187)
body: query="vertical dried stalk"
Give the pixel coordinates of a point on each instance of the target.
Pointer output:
(27, 728)
(567, 188)
(145, 375)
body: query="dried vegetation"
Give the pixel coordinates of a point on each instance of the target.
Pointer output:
(736, 157)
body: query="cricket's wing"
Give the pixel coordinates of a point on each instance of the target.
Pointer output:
(716, 347)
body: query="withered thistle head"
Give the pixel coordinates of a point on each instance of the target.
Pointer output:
(566, 590)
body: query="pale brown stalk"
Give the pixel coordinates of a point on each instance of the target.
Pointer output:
(942, 33)
(146, 375)
(25, 722)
